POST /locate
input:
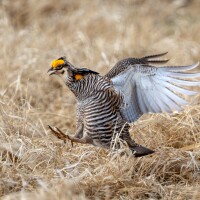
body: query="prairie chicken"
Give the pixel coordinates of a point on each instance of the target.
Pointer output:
(107, 104)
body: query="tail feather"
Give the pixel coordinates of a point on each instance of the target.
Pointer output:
(155, 55)
(151, 59)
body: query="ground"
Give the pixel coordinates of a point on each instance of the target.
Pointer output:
(93, 34)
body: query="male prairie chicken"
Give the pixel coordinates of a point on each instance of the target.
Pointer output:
(107, 104)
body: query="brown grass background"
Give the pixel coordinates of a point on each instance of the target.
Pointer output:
(94, 34)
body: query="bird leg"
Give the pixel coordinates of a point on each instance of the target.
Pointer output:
(79, 131)
(60, 135)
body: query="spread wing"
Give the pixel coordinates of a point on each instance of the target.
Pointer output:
(146, 88)
(121, 65)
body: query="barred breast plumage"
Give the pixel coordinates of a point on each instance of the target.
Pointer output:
(100, 110)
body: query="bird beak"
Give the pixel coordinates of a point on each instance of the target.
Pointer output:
(51, 71)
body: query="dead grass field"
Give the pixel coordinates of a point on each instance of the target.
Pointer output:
(94, 34)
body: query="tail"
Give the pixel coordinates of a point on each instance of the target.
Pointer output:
(151, 59)
(139, 151)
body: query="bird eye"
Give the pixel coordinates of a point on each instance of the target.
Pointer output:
(59, 67)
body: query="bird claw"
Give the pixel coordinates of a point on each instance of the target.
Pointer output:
(60, 135)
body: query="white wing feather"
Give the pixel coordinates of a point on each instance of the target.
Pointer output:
(151, 89)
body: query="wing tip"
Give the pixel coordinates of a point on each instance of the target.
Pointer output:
(180, 68)
(197, 63)
(193, 66)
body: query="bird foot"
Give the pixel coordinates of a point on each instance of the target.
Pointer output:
(60, 135)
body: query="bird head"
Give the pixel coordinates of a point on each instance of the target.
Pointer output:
(62, 68)
(69, 73)
(59, 66)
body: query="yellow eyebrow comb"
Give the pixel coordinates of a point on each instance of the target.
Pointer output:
(56, 63)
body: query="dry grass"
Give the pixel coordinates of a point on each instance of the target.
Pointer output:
(33, 163)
